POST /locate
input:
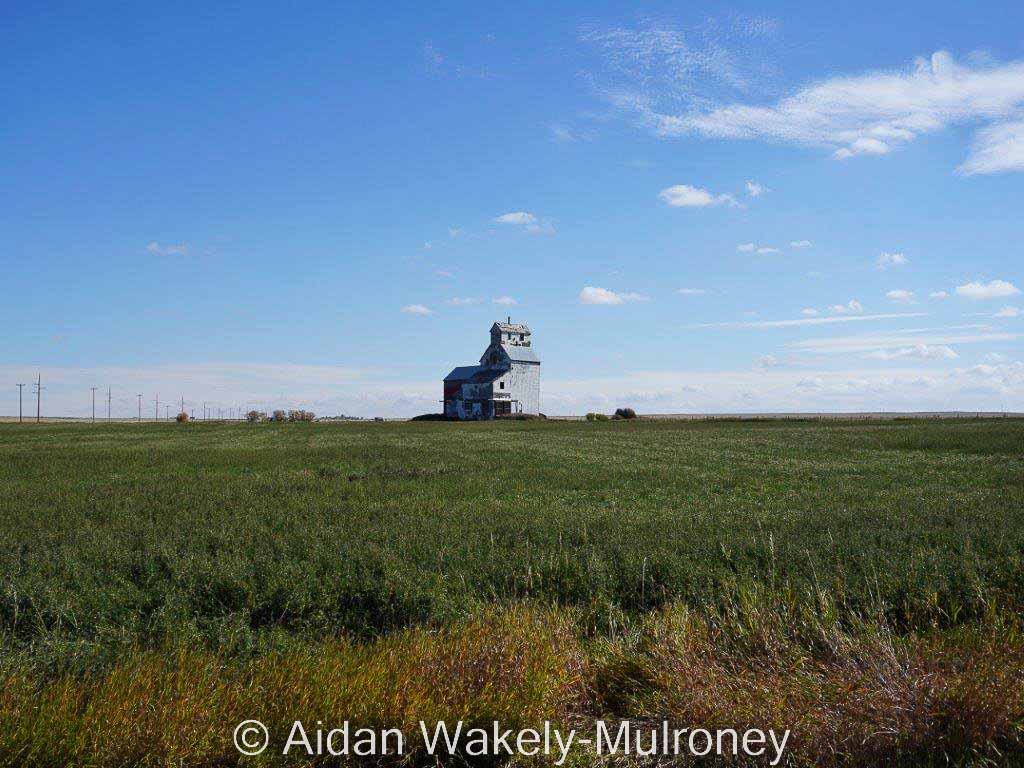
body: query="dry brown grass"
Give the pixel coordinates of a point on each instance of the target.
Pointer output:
(180, 709)
(858, 695)
(852, 694)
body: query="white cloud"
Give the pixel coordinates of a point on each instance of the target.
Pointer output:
(851, 306)
(766, 361)
(691, 291)
(994, 289)
(167, 250)
(563, 133)
(427, 245)
(809, 312)
(685, 196)
(996, 149)
(459, 301)
(863, 146)
(592, 295)
(917, 352)
(454, 232)
(1008, 312)
(527, 221)
(800, 244)
(517, 217)
(938, 295)
(754, 189)
(764, 250)
(505, 301)
(901, 295)
(809, 321)
(416, 309)
(870, 113)
(886, 260)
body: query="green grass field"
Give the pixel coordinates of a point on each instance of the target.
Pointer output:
(782, 549)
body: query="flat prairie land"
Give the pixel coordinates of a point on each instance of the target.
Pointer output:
(860, 582)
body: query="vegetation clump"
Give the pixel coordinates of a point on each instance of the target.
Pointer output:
(181, 418)
(624, 413)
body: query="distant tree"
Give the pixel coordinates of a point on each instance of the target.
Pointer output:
(300, 415)
(624, 413)
(279, 416)
(181, 418)
(255, 417)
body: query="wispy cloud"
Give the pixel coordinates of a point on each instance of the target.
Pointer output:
(691, 291)
(996, 149)
(897, 341)
(1007, 312)
(800, 244)
(888, 260)
(686, 196)
(764, 250)
(528, 221)
(459, 301)
(167, 250)
(603, 296)
(754, 189)
(868, 113)
(808, 321)
(938, 295)
(505, 301)
(851, 306)
(417, 309)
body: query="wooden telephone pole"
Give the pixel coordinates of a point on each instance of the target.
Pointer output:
(39, 396)
(93, 404)
(20, 388)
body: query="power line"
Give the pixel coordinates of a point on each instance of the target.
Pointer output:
(39, 396)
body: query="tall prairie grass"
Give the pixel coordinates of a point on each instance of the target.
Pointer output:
(861, 584)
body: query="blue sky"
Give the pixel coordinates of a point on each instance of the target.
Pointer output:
(719, 208)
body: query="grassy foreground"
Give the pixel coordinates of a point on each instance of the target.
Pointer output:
(860, 583)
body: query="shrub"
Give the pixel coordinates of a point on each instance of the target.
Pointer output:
(301, 415)
(255, 417)
(600, 417)
(625, 413)
(279, 416)
(181, 418)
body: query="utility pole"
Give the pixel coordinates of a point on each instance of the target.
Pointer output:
(140, 407)
(20, 388)
(39, 396)
(156, 409)
(167, 413)
(108, 403)
(93, 404)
